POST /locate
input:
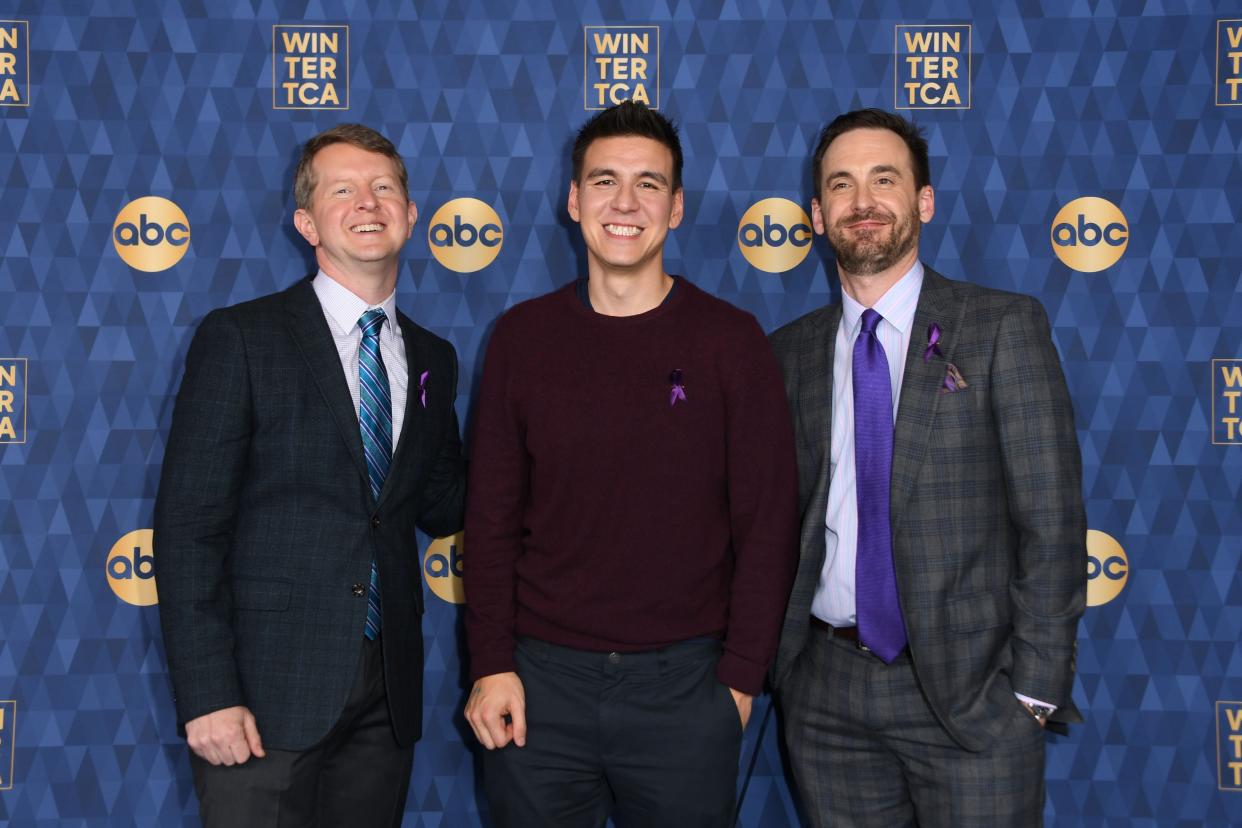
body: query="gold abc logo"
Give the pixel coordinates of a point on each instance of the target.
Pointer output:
(465, 235)
(1108, 569)
(151, 234)
(774, 235)
(1089, 234)
(442, 564)
(131, 568)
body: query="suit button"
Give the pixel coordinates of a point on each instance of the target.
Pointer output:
(359, 589)
(614, 658)
(375, 522)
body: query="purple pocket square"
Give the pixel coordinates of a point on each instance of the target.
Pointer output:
(953, 380)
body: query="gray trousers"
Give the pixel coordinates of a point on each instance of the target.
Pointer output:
(867, 750)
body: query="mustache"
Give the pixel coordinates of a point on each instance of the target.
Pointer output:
(870, 214)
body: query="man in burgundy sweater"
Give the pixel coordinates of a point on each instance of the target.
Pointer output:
(631, 518)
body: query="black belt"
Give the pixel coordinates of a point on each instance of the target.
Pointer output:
(847, 633)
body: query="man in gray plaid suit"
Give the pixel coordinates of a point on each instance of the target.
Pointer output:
(930, 634)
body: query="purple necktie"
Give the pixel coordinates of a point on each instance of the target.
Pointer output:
(880, 625)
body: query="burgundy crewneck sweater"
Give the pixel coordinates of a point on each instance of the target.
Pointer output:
(606, 511)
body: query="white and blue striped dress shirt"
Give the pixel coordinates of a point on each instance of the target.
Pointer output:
(834, 597)
(342, 308)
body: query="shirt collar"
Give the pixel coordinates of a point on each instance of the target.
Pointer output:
(897, 305)
(345, 308)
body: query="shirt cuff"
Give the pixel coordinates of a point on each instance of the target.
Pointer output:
(1036, 702)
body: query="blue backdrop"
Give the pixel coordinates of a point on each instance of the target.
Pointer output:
(106, 101)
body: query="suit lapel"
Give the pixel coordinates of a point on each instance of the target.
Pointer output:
(921, 384)
(814, 417)
(815, 401)
(417, 360)
(311, 333)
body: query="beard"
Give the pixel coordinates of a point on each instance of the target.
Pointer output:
(873, 251)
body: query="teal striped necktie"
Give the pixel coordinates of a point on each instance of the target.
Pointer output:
(375, 420)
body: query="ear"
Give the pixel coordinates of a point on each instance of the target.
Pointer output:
(573, 201)
(927, 204)
(817, 217)
(306, 227)
(679, 209)
(411, 216)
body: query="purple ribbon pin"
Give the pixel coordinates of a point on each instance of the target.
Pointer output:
(933, 336)
(679, 390)
(422, 387)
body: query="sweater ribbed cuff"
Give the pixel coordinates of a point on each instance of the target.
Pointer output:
(490, 663)
(741, 674)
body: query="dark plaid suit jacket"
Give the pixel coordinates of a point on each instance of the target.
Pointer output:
(265, 525)
(989, 532)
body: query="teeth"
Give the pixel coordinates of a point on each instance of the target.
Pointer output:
(622, 229)
(367, 228)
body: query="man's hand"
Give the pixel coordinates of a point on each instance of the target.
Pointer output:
(743, 702)
(225, 737)
(492, 698)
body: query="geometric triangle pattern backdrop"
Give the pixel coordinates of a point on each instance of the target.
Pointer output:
(120, 99)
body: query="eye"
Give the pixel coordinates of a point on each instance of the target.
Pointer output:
(604, 182)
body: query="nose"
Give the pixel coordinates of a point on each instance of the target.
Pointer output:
(625, 200)
(365, 200)
(863, 198)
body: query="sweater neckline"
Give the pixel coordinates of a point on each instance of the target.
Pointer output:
(677, 295)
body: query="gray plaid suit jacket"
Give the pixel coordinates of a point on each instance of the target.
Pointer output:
(989, 531)
(265, 525)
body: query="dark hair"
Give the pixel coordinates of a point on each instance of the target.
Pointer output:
(907, 131)
(356, 135)
(629, 118)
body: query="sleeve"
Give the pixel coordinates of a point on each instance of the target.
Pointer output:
(195, 514)
(443, 493)
(763, 492)
(495, 505)
(1043, 477)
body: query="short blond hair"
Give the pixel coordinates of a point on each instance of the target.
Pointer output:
(356, 135)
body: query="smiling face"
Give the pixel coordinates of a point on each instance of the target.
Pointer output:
(626, 204)
(359, 216)
(868, 205)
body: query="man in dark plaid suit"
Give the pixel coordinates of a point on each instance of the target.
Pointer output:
(313, 431)
(930, 634)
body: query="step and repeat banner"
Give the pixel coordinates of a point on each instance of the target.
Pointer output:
(1083, 152)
